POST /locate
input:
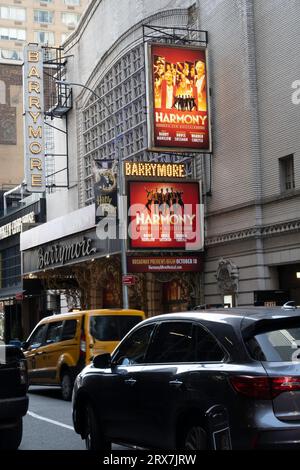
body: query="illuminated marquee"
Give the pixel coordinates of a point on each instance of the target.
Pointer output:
(34, 160)
(155, 170)
(177, 98)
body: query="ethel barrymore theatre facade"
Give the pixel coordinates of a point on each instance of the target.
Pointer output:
(168, 101)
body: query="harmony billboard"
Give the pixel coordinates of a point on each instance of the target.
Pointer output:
(177, 98)
(165, 215)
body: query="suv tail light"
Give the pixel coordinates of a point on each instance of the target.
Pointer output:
(264, 388)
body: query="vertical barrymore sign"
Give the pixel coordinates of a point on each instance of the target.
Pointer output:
(34, 158)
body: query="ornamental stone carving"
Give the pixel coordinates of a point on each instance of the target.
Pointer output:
(227, 276)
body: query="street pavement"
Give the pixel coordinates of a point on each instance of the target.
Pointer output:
(48, 423)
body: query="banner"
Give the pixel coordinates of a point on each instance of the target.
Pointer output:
(177, 99)
(34, 148)
(165, 215)
(105, 175)
(160, 264)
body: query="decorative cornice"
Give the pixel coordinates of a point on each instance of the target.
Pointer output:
(264, 231)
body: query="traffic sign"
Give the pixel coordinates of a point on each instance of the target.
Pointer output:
(128, 279)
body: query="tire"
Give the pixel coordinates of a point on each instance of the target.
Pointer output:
(94, 438)
(67, 384)
(194, 438)
(10, 438)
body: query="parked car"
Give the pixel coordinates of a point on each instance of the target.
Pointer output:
(219, 379)
(13, 396)
(61, 345)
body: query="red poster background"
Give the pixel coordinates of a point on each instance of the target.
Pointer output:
(137, 194)
(179, 135)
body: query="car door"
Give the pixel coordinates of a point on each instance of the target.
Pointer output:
(34, 353)
(183, 372)
(51, 352)
(161, 388)
(118, 388)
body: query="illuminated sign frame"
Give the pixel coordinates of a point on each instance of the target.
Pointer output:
(154, 170)
(183, 128)
(34, 148)
(193, 190)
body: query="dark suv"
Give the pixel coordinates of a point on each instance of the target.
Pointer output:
(13, 396)
(212, 379)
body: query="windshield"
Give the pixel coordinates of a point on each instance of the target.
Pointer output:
(112, 327)
(277, 345)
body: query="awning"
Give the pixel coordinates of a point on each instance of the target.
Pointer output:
(11, 292)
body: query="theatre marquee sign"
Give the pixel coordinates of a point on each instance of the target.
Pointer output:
(62, 253)
(14, 227)
(34, 151)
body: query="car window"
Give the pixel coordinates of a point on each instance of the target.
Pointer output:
(112, 327)
(37, 338)
(54, 332)
(69, 330)
(133, 349)
(282, 345)
(172, 343)
(207, 347)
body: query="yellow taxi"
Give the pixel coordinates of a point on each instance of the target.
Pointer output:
(61, 345)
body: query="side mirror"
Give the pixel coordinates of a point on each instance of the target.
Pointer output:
(102, 361)
(24, 345)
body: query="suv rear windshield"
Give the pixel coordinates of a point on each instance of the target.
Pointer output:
(112, 327)
(276, 344)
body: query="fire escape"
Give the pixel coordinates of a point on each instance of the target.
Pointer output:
(57, 103)
(58, 97)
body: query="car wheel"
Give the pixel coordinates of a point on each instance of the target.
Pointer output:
(194, 438)
(94, 438)
(10, 438)
(66, 385)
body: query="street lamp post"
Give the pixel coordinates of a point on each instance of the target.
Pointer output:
(120, 184)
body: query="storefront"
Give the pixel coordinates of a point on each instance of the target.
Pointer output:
(75, 267)
(67, 257)
(14, 293)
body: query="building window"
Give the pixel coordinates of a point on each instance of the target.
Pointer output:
(70, 19)
(287, 174)
(11, 54)
(43, 16)
(72, 2)
(12, 34)
(12, 13)
(44, 37)
(11, 267)
(123, 91)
